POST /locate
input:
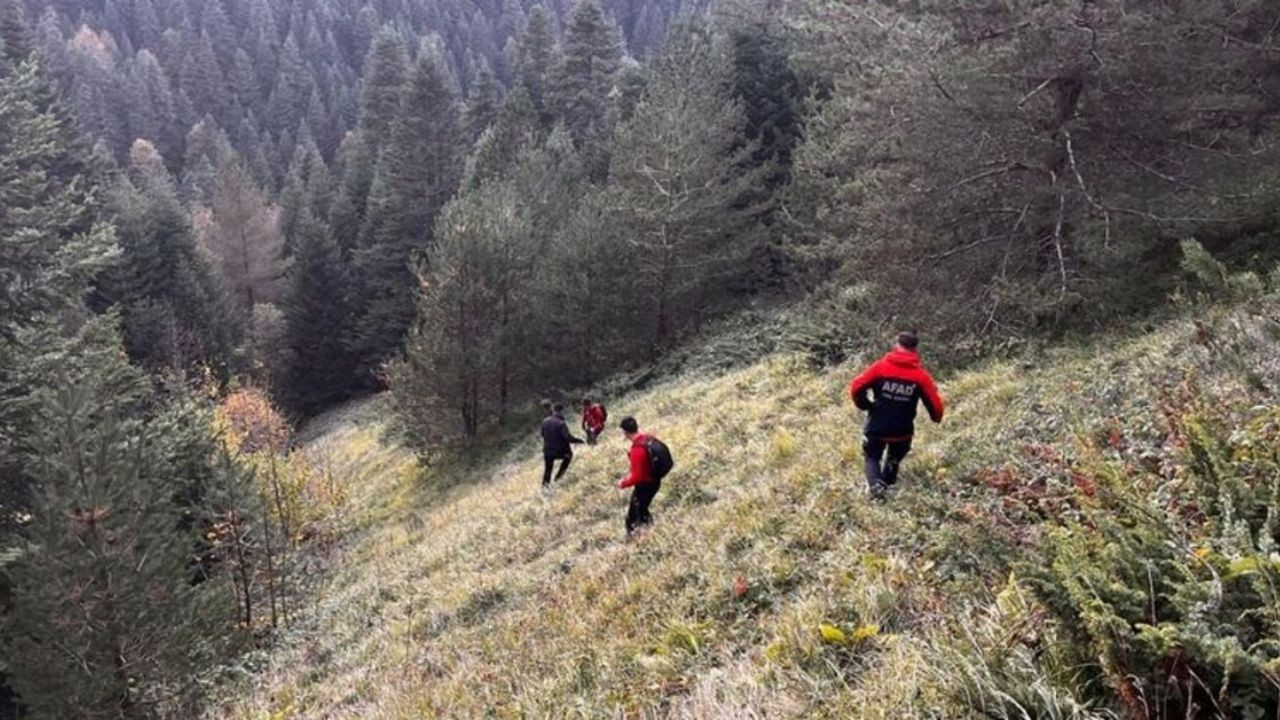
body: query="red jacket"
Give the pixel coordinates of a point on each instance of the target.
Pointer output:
(639, 463)
(593, 418)
(898, 382)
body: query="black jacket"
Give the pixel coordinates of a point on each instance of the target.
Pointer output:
(556, 438)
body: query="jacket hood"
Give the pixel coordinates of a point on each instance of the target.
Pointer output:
(903, 358)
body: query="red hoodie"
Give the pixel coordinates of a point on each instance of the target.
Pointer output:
(899, 383)
(639, 463)
(593, 418)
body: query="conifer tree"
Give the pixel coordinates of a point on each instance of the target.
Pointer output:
(585, 77)
(176, 311)
(242, 231)
(536, 59)
(681, 173)
(106, 619)
(515, 127)
(453, 356)
(482, 103)
(317, 315)
(418, 172)
(386, 72)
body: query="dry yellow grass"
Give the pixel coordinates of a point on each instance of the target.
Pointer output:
(487, 600)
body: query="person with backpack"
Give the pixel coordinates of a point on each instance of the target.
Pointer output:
(594, 417)
(557, 444)
(889, 392)
(650, 463)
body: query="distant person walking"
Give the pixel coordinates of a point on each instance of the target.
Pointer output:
(889, 392)
(650, 463)
(594, 417)
(557, 444)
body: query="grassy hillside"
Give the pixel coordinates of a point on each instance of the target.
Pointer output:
(771, 587)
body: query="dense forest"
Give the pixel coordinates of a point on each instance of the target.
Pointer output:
(474, 204)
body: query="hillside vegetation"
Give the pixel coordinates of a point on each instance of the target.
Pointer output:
(1092, 534)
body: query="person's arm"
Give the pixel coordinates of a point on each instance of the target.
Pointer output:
(639, 468)
(860, 388)
(568, 436)
(932, 399)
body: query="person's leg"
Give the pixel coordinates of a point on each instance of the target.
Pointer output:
(633, 510)
(897, 453)
(873, 453)
(548, 463)
(650, 492)
(564, 465)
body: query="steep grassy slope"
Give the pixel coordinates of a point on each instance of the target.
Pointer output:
(770, 586)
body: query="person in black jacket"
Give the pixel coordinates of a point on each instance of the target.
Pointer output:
(557, 444)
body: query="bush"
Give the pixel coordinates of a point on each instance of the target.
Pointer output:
(1169, 578)
(251, 423)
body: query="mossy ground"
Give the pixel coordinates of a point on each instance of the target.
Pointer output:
(464, 593)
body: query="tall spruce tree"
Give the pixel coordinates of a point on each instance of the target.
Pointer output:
(176, 310)
(317, 315)
(386, 72)
(536, 58)
(682, 175)
(417, 174)
(482, 102)
(585, 77)
(101, 608)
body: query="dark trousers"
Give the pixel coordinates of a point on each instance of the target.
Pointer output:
(550, 461)
(883, 459)
(638, 510)
(592, 435)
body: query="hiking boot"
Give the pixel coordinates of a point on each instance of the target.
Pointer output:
(546, 492)
(876, 490)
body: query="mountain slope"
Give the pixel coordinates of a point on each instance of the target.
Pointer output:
(770, 586)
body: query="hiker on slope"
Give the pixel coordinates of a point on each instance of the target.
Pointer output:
(889, 391)
(557, 444)
(594, 417)
(650, 462)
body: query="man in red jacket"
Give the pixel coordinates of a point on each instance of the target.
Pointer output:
(898, 383)
(593, 419)
(641, 477)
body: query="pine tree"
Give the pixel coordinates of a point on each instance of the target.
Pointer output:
(202, 79)
(105, 617)
(176, 312)
(482, 103)
(317, 315)
(516, 127)
(418, 172)
(453, 357)
(680, 168)
(585, 77)
(536, 59)
(101, 608)
(385, 75)
(242, 231)
(292, 91)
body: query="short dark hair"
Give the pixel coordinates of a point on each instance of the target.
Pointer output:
(586, 401)
(909, 339)
(558, 407)
(629, 424)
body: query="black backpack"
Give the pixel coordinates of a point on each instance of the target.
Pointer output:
(660, 461)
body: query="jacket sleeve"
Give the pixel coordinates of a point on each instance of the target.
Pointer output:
(568, 437)
(639, 467)
(932, 399)
(860, 388)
